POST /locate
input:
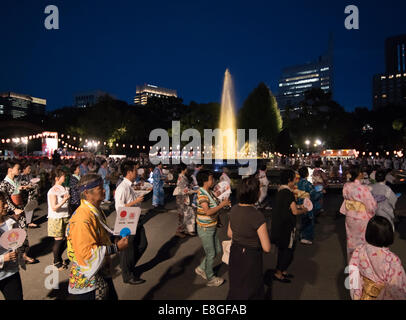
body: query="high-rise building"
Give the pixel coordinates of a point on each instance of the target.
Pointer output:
(295, 81)
(389, 88)
(20, 105)
(88, 99)
(395, 54)
(147, 91)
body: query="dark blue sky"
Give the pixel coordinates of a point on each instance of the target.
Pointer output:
(187, 45)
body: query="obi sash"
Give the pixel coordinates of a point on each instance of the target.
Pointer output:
(352, 205)
(370, 289)
(302, 194)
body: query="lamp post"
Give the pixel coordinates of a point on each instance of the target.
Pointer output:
(26, 147)
(307, 142)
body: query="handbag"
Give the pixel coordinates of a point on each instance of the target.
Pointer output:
(226, 251)
(177, 192)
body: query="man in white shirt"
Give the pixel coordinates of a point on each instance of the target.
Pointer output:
(126, 196)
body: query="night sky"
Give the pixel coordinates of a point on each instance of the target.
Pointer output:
(187, 45)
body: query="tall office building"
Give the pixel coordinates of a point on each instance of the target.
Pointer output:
(395, 54)
(295, 81)
(88, 99)
(389, 88)
(20, 105)
(147, 91)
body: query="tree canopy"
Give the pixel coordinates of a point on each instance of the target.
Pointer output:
(260, 111)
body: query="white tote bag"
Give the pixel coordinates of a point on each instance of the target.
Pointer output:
(226, 251)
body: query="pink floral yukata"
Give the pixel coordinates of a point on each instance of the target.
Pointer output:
(358, 207)
(381, 266)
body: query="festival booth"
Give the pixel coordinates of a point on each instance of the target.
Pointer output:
(342, 153)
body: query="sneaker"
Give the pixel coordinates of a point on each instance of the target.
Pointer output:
(215, 282)
(307, 242)
(201, 273)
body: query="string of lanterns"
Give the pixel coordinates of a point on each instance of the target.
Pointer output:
(90, 143)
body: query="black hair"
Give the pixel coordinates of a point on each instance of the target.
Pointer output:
(379, 232)
(248, 190)
(127, 166)
(182, 167)
(25, 165)
(11, 164)
(380, 175)
(287, 176)
(73, 167)
(57, 173)
(354, 172)
(317, 163)
(262, 167)
(303, 172)
(203, 176)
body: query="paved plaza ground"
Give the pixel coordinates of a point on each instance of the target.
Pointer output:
(169, 262)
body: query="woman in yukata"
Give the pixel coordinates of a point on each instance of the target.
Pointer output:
(358, 207)
(375, 272)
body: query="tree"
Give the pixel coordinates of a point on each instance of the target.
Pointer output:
(284, 143)
(260, 111)
(201, 116)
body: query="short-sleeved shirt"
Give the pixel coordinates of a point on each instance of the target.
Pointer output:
(201, 218)
(283, 220)
(244, 222)
(59, 192)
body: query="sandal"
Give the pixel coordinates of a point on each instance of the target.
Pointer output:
(29, 260)
(283, 280)
(60, 266)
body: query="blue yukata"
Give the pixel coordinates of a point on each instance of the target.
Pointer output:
(103, 172)
(307, 190)
(158, 188)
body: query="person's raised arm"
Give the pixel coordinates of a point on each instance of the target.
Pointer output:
(212, 211)
(264, 238)
(136, 201)
(296, 210)
(55, 206)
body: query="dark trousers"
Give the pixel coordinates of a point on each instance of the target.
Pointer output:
(129, 257)
(285, 258)
(12, 288)
(245, 272)
(112, 295)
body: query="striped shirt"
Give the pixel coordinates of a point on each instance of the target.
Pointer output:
(202, 219)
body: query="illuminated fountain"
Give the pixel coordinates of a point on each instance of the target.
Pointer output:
(227, 147)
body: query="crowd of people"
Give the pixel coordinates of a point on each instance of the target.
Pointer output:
(77, 191)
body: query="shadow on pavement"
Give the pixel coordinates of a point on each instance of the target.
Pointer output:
(180, 275)
(42, 248)
(166, 252)
(61, 293)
